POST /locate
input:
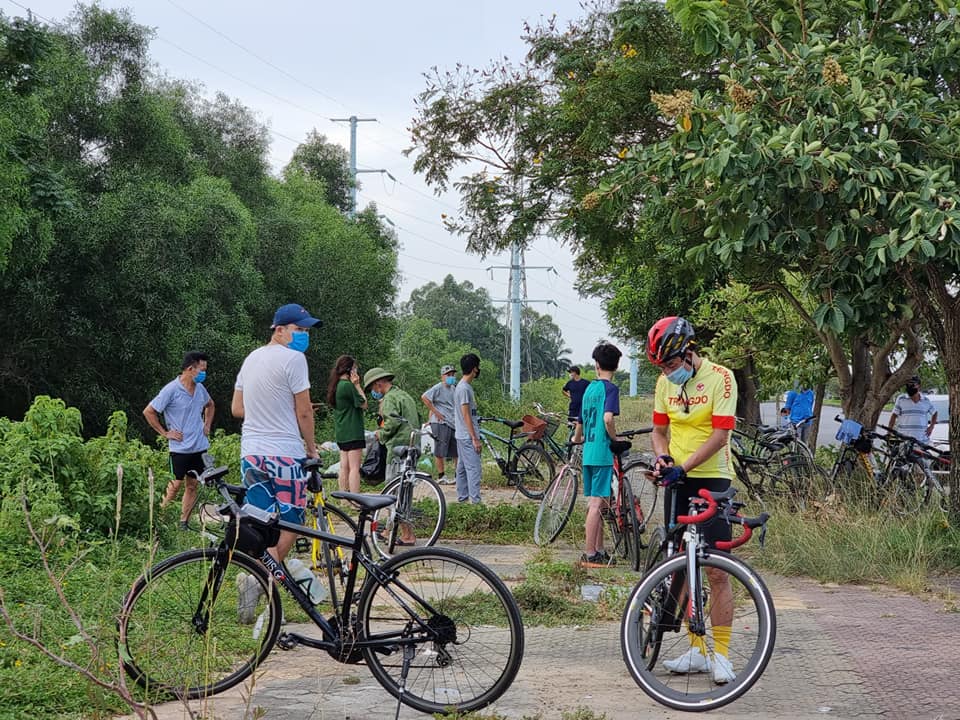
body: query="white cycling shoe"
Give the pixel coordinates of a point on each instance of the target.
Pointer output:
(692, 661)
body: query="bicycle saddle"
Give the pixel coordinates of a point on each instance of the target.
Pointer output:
(401, 451)
(514, 424)
(311, 464)
(367, 502)
(620, 446)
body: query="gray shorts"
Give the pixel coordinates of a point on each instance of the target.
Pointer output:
(444, 444)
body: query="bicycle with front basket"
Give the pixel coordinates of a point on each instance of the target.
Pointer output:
(436, 628)
(527, 466)
(688, 589)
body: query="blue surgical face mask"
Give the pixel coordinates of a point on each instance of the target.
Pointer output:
(681, 374)
(376, 395)
(201, 376)
(451, 381)
(299, 340)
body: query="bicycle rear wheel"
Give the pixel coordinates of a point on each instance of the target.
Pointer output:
(420, 511)
(751, 637)
(532, 469)
(180, 630)
(795, 478)
(556, 507)
(631, 527)
(460, 621)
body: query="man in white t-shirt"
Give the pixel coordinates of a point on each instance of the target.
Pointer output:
(272, 395)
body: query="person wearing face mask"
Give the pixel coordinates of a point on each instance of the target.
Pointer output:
(399, 413)
(439, 401)
(272, 397)
(694, 411)
(188, 412)
(467, 432)
(914, 411)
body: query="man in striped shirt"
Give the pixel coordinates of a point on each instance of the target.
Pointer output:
(916, 415)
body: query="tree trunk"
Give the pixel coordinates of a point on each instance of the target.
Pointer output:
(748, 405)
(818, 392)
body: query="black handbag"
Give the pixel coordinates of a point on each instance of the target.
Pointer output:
(374, 465)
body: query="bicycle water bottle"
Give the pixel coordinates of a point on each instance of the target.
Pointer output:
(307, 581)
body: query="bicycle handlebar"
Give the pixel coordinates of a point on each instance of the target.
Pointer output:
(632, 433)
(728, 512)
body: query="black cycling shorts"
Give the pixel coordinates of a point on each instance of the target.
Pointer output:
(712, 530)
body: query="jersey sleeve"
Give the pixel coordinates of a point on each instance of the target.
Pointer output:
(611, 401)
(660, 416)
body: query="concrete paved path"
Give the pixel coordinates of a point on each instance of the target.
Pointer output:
(842, 652)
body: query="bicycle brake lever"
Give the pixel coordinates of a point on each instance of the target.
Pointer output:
(763, 535)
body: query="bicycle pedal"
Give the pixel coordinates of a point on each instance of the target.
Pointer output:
(287, 642)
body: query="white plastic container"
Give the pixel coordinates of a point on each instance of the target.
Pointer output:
(307, 581)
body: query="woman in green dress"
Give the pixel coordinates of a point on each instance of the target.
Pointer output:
(345, 396)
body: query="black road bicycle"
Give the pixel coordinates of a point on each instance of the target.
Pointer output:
(437, 629)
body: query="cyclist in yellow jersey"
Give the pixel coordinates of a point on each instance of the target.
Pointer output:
(694, 410)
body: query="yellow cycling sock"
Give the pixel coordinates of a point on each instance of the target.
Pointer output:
(721, 639)
(698, 642)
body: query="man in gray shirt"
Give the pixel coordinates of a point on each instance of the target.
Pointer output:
(439, 401)
(467, 431)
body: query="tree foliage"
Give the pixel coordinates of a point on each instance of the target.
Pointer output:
(138, 220)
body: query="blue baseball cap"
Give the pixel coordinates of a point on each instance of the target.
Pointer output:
(294, 313)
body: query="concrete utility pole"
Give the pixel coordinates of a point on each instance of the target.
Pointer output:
(517, 273)
(353, 120)
(633, 368)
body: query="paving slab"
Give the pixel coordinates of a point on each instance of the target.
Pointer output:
(842, 652)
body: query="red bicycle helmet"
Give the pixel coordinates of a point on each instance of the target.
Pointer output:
(669, 337)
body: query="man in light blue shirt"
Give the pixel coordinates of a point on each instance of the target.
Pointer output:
(187, 410)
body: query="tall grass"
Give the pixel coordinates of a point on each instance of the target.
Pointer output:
(859, 547)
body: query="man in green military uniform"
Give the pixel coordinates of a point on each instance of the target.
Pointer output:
(394, 404)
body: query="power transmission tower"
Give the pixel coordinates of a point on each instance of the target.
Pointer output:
(353, 120)
(517, 279)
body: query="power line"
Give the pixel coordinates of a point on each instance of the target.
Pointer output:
(253, 54)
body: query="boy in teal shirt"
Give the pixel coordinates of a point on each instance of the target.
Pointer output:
(601, 404)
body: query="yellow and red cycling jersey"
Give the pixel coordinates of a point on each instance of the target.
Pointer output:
(710, 401)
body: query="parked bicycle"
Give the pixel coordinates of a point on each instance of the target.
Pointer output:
(560, 498)
(526, 465)
(768, 468)
(559, 451)
(436, 628)
(632, 500)
(322, 515)
(731, 625)
(418, 516)
(910, 482)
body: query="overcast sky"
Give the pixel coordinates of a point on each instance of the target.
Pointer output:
(298, 64)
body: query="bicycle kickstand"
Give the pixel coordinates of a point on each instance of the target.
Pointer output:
(408, 653)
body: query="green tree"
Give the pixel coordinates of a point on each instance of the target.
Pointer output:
(328, 163)
(465, 312)
(830, 152)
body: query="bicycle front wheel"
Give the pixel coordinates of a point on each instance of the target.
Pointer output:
(532, 468)
(197, 623)
(459, 622)
(556, 507)
(645, 493)
(734, 596)
(417, 518)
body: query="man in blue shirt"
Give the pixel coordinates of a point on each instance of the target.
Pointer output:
(601, 404)
(799, 407)
(573, 390)
(188, 412)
